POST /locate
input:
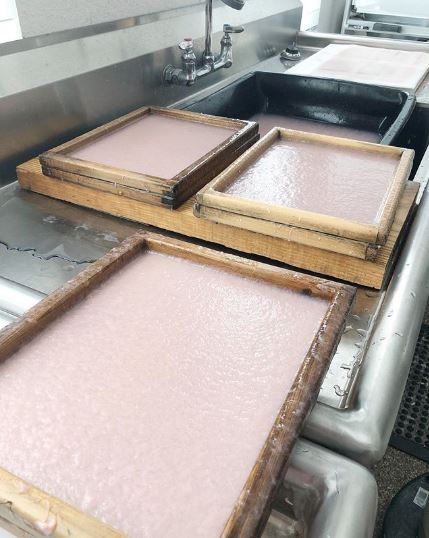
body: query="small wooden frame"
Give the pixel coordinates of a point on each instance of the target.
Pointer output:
(172, 192)
(214, 197)
(21, 503)
(310, 238)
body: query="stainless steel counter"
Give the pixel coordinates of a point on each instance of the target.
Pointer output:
(44, 242)
(324, 495)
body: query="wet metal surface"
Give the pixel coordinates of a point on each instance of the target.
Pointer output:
(44, 243)
(44, 276)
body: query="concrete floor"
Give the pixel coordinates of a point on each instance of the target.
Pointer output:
(394, 471)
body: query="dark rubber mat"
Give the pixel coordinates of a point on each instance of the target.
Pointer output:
(411, 431)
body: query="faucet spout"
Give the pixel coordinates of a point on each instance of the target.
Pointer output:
(189, 73)
(208, 56)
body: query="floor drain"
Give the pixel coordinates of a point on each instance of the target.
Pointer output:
(411, 431)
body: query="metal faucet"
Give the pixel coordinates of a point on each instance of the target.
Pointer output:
(188, 74)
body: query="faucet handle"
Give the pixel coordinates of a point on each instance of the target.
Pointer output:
(228, 29)
(187, 44)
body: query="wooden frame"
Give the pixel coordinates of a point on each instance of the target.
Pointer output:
(214, 197)
(20, 504)
(310, 238)
(167, 192)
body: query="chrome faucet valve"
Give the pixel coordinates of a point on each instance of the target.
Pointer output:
(225, 57)
(290, 53)
(228, 29)
(187, 75)
(187, 45)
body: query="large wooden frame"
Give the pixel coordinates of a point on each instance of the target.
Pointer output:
(373, 274)
(213, 196)
(166, 192)
(21, 503)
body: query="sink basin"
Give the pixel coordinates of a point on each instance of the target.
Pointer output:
(415, 135)
(378, 114)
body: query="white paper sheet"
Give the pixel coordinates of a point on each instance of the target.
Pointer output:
(370, 65)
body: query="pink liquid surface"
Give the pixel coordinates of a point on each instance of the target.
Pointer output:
(154, 145)
(147, 404)
(268, 121)
(337, 181)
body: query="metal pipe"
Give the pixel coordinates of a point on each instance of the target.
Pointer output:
(320, 40)
(208, 54)
(331, 16)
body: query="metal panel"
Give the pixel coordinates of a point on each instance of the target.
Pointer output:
(44, 243)
(52, 38)
(331, 16)
(340, 381)
(16, 299)
(323, 495)
(44, 16)
(36, 119)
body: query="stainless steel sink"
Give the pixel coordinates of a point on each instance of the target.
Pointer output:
(323, 495)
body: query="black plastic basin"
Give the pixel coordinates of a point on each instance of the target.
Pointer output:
(415, 135)
(384, 111)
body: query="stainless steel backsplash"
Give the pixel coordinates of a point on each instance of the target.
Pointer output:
(35, 117)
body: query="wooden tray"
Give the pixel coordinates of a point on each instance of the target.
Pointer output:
(372, 274)
(60, 164)
(21, 503)
(331, 243)
(213, 195)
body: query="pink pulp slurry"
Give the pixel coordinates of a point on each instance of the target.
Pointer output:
(146, 404)
(154, 145)
(331, 180)
(268, 121)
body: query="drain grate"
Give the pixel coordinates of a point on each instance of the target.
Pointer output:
(411, 431)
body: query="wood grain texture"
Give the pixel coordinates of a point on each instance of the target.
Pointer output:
(58, 162)
(26, 510)
(22, 505)
(358, 249)
(133, 188)
(366, 273)
(213, 194)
